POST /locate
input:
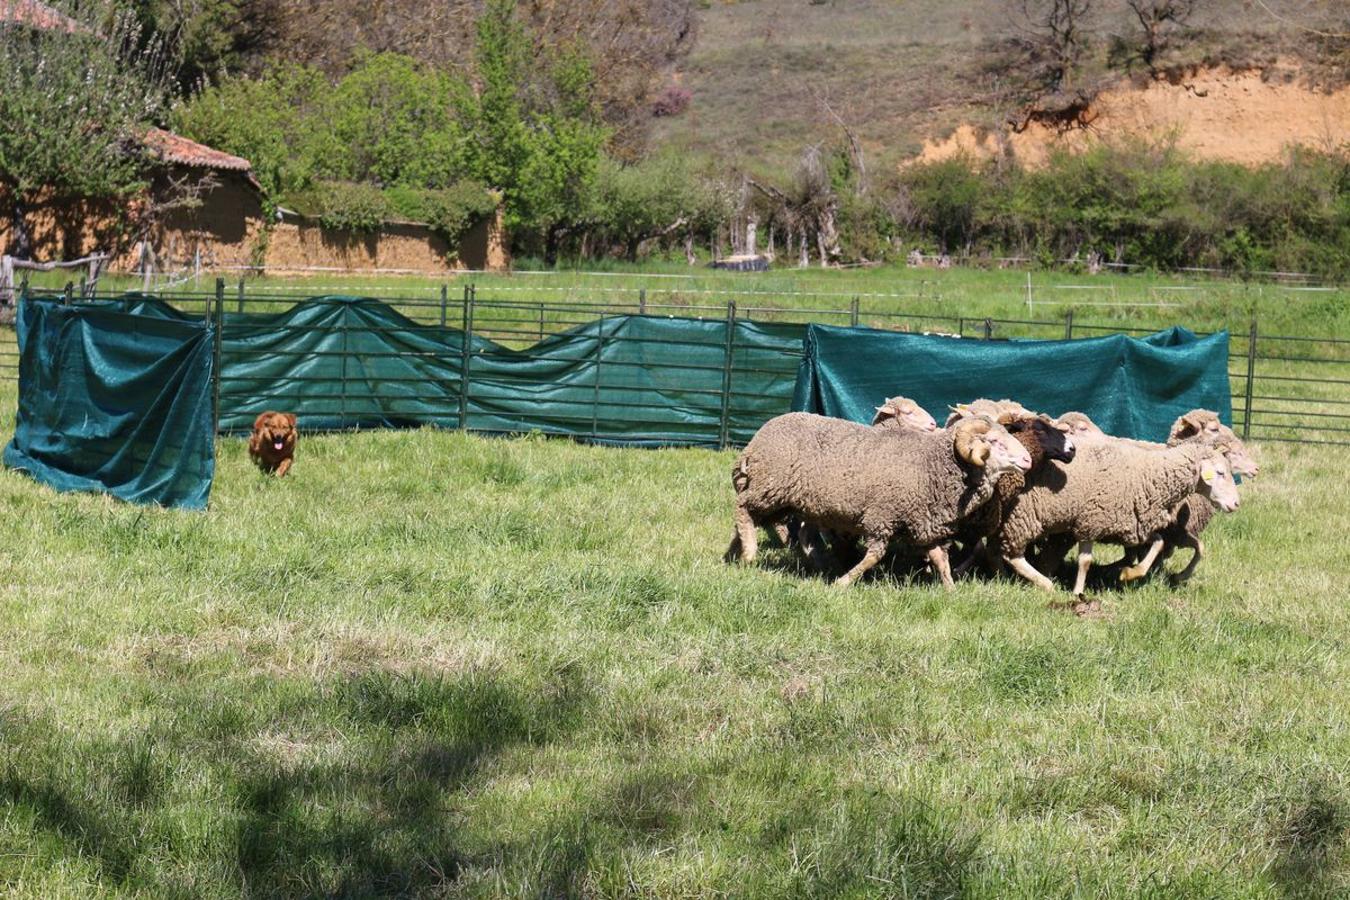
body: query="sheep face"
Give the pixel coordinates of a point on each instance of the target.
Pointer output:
(985, 444)
(1078, 424)
(1204, 426)
(1216, 482)
(904, 413)
(1056, 444)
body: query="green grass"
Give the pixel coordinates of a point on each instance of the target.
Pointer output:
(432, 664)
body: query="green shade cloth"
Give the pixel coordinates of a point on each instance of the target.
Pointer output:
(1130, 387)
(115, 402)
(348, 362)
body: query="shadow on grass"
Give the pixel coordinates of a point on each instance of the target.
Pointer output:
(288, 818)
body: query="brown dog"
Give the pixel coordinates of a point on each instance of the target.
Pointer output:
(272, 444)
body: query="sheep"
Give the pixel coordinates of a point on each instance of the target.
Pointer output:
(1191, 517)
(877, 483)
(991, 408)
(1045, 442)
(1114, 492)
(904, 413)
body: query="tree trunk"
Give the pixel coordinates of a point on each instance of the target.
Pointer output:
(552, 240)
(805, 260)
(689, 248)
(20, 239)
(631, 247)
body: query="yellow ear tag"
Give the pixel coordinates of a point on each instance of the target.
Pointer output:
(1207, 475)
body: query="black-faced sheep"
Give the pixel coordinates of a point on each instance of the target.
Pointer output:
(876, 483)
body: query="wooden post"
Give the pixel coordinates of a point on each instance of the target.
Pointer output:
(988, 329)
(445, 297)
(1068, 325)
(1251, 371)
(724, 428)
(240, 290)
(642, 302)
(853, 313)
(70, 289)
(466, 337)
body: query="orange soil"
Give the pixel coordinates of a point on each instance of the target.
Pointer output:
(1216, 114)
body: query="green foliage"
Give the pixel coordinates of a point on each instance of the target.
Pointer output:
(389, 121)
(360, 206)
(1141, 204)
(73, 107)
(662, 194)
(277, 122)
(531, 130)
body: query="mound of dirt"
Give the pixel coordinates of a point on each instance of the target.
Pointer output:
(1218, 114)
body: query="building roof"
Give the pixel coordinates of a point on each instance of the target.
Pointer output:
(39, 16)
(177, 149)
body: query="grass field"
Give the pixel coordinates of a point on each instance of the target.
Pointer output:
(431, 664)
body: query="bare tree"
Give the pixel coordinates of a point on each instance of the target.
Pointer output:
(1054, 36)
(1159, 21)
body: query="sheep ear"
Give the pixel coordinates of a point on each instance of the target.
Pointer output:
(1185, 427)
(1007, 417)
(1207, 473)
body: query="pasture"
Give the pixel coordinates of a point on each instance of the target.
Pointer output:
(433, 664)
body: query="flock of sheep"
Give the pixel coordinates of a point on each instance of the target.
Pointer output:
(998, 485)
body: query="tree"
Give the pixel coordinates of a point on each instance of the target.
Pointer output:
(655, 198)
(1053, 37)
(74, 106)
(530, 126)
(1159, 20)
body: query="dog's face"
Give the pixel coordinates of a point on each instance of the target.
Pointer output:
(275, 431)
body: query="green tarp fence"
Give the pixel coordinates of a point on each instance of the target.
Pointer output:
(114, 401)
(344, 362)
(1132, 387)
(116, 395)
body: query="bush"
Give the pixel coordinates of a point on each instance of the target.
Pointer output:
(356, 206)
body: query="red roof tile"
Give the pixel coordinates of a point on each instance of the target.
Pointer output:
(38, 15)
(175, 148)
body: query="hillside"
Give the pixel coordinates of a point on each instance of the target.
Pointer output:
(768, 78)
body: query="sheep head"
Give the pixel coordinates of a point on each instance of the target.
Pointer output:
(1042, 436)
(1216, 481)
(1078, 423)
(904, 413)
(1203, 426)
(984, 443)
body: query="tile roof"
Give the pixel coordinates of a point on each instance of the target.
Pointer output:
(175, 148)
(38, 15)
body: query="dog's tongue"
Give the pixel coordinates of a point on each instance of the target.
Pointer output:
(277, 444)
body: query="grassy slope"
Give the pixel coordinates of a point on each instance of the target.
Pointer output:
(506, 667)
(895, 71)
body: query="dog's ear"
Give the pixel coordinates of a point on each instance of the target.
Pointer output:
(258, 422)
(290, 417)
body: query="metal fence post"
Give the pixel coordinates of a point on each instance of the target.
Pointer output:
(466, 337)
(1068, 325)
(70, 288)
(445, 297)
(218, 314)
(1251, 370)
(724, 429)
(642, 302)
(988, 329)
(595, 395)
(853, 313)
(240, 290)
(541, 321)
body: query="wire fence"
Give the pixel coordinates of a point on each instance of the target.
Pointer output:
(621, 385)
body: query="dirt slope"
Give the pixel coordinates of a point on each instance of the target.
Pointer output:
(1216, 114)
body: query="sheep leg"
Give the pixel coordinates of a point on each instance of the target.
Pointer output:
(938, 557)
(1197, 551)
(1027, 571)
(746, 542)
(1140, 569)
(1084, 563)
(965, 564)
(876, 549)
